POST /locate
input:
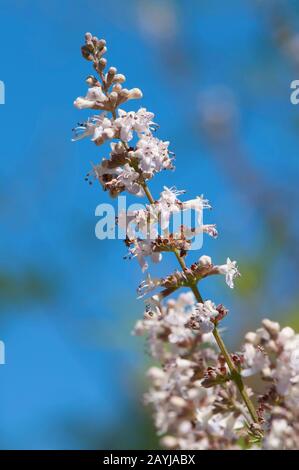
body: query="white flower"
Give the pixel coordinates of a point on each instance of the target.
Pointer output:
(276, 438)
(147, 286)
(143, 249)
(184, 364)
(185, 301)
(142, 220)
(168, 196)
(84, 130)
(178, 314)
(198, 204)
(153, 309)
(286, 337)
(152, 154)
(282, 375)
(204, 414)
(210, 229)
(103, 130)
(168, 204)
(157, 375)
(93, 98)
(220, 425)
(128, 178)
(139, 121)
(286, 373)
(255, 360)
(205, 313)
(177, 319)
(99, 128)
(230, 270)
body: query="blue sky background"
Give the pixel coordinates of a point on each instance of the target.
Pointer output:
(218, 79)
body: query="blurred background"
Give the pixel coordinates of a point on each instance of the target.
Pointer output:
(217, 75)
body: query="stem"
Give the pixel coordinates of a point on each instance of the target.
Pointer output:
(148, 193)
(235, 375)
(192, 286)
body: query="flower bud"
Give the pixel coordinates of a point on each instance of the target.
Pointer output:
(250, 337)
(184, 427)
(271, 326)
(108, 133)
(139, 329)
(286, 334)
(87, 52)
(192, 393)
(117, 88)
(113, 97)
(135, 94)
(184, 363)
(178, 402)
(101, 43)
(110, 75)
(169, 442)
(155, 373)
(119, 78)
(102, 63)
(112, 71)
(92, 81)
(267, 373)
(205, 260)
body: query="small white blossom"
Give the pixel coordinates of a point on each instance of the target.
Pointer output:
(126, 123)
(152, 154)
(92, 100)
(143, 249)
(205, 314)
(197, 204)
(142, 220)
(98, 128)
(276, 438)
(255, 360)
(128, 178)
(230, 270)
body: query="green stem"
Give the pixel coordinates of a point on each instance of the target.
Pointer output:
(148, 193)
(235, 375)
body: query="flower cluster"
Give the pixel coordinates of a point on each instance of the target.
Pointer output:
(198, 394)
(195, 405)
(128, 166)
(194, 402)
(273, 353)
(197, 271)
(146, 222)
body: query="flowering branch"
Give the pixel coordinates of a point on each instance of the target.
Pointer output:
(193, 394)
